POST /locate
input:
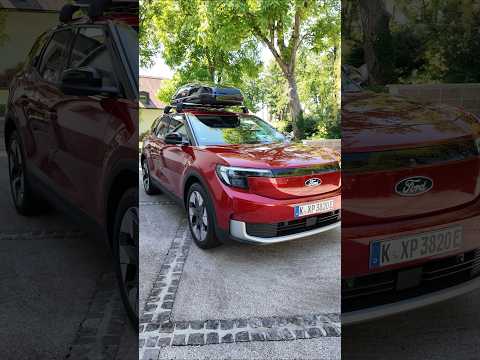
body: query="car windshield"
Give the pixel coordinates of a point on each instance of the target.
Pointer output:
(233, 129)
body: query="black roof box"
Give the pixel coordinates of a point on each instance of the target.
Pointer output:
(205, 95)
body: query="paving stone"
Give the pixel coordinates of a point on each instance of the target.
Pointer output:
(255, 322)
(140, 328)
(300, 334)
(273, 335)
(179, 340)
(163, 341)
(228, 338)
(241, 323)
(197, 324)
(281, 321)
(152, 327)
(314, 332)
(169, 297)
(167, 327)
(163, 316)
(181, 325)
(226, 324)
(212, 338)
(146, 318)
(212, 324)
(310, 320)
(331, 331)
(141, 342)
(152, 341)
(286, 334)
(242, 336)
(268, 322)
(258, 336)
(196, 339)
(295, 320)
(167, 305)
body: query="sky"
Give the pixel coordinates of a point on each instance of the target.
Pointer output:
(159, 69)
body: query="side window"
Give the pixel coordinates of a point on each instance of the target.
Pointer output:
(90, 49)
(34, 54)
(162, 127)
(155, 124)
(176, 124)
(54, 55)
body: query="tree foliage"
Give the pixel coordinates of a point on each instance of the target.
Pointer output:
(220, 42)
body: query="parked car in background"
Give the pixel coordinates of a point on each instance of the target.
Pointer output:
(71, 130)
(237, 177)
(411, 203)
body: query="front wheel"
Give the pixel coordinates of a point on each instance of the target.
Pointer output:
(201, 218)
(125, 251)
(22, 195)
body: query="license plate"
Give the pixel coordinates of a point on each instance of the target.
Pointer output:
(314, 208)
(414, 247)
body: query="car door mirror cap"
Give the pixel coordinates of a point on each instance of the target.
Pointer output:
(176, 138)
(85, 81)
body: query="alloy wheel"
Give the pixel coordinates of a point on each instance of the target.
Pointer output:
(146, 176)
(17, 176)
(198, 216)
(128, 255)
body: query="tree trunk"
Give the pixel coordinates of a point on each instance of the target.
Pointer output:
(295, 106)
(377, 41)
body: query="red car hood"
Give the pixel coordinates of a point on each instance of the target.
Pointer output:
(325, 163)
(394, 123)
(275, 155)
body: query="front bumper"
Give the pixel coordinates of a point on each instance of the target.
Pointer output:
(238, 231)
(376, 312)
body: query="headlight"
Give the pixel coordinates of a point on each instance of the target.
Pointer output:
(238, 177)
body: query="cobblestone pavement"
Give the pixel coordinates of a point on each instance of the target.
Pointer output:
(179, 321)
(58, 295)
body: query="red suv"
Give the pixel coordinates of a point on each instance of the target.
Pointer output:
(71, 131)
(411, 203)
(239, 178)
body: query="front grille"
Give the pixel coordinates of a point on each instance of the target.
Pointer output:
(384, 288)
(294, 226)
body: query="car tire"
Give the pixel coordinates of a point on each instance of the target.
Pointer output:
(148, 186)
(125, 252)
(201, 219)
(25, 201)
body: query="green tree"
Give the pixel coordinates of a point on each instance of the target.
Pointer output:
(219, 41)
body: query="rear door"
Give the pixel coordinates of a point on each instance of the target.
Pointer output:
(176, 157)
(156, 147)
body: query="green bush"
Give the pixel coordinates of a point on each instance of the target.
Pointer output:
(3, 108)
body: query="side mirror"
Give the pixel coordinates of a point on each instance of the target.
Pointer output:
(84, 81)
(176, 138)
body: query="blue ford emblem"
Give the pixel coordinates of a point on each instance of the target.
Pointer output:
(313, 182)
(413, 186)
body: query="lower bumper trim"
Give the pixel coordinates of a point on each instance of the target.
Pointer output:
(380, 311)
(238, 230)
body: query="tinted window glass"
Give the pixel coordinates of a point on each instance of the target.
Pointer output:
(233, 129)
(90, 50)
(54, 55)
(37, 49)
(129, 41)
(162, 127)
(175, 123)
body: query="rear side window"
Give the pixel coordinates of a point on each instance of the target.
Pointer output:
(55, 55)
(90, 49)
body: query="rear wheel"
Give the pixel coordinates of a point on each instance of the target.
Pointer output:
(125, 251)
(148, 186)
(23, 197)
(201, 219)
